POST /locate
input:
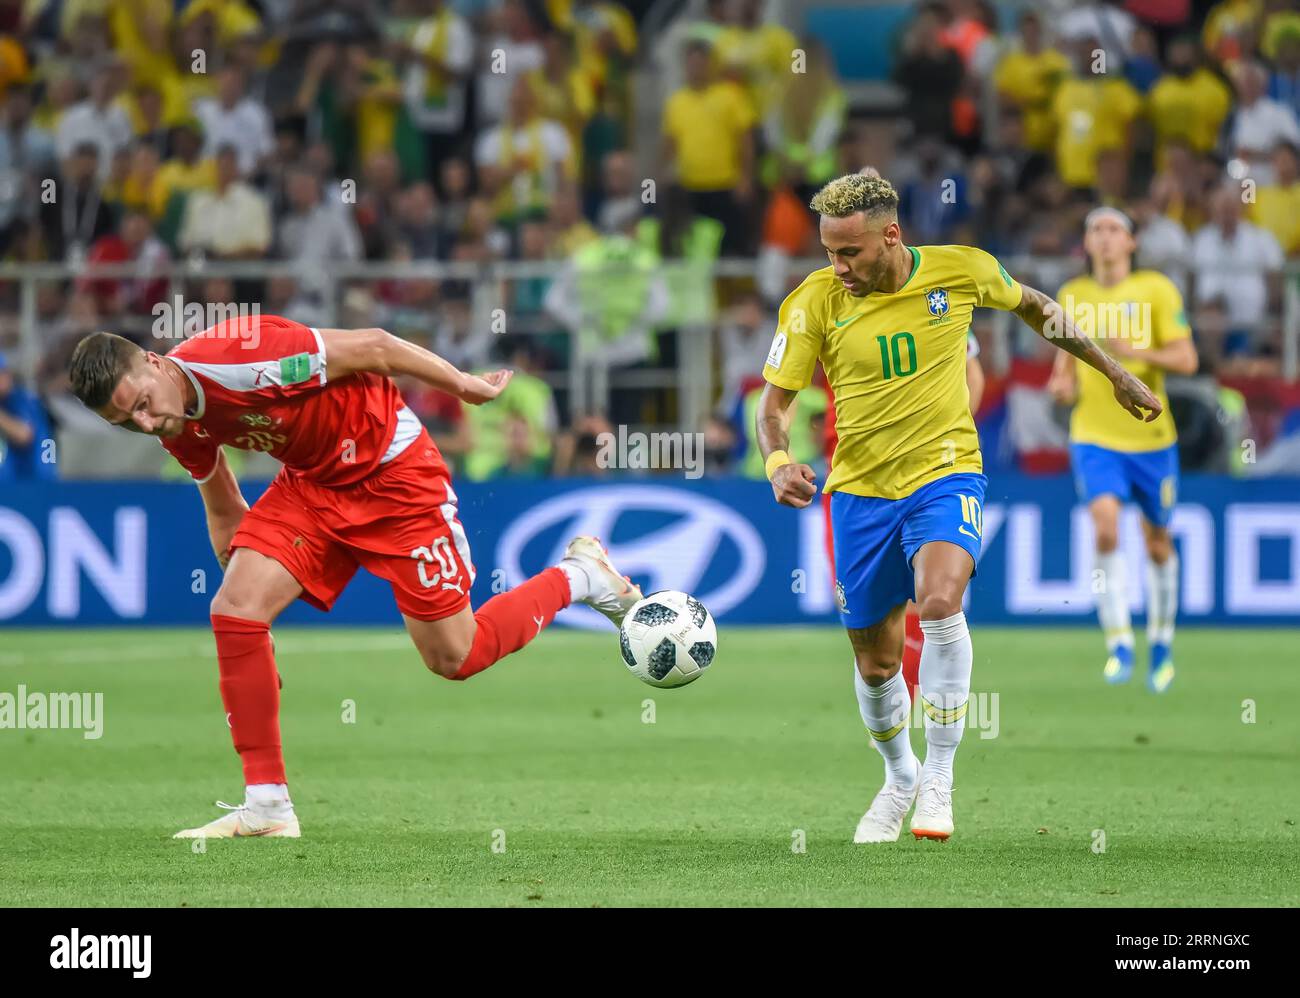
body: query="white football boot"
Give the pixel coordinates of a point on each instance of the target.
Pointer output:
(245, 821)
(611, 593)
(883, 821)
(933, 817)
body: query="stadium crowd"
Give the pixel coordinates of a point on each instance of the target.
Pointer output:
(320, 133)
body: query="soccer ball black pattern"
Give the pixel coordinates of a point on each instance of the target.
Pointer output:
(702, 652)
(668, 639)
(662, 659)
(655, 613)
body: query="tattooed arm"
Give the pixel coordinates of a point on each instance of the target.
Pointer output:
(1045, 317)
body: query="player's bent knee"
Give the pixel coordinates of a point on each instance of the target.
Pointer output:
(445, 659)
(938, 606)
(245, 606)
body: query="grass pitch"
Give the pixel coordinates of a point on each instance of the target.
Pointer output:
(544, 782)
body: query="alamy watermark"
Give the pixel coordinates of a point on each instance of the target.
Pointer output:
(178, 320)
(39, 711)
(637, 451)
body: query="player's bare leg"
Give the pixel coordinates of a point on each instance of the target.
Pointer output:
(1110, 588)
(469, 641)
(942, 570)
(884, 703)
(253, 593)
(1162, 604)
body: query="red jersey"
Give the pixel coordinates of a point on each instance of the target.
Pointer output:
(262, 384)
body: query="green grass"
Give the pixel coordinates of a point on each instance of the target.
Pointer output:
(699, 808)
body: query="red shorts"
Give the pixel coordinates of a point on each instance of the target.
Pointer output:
(399, 524)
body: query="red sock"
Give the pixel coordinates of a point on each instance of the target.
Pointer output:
(251, 692)
(509, 620)
(913, 641)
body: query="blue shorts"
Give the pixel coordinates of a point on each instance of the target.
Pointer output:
(1149, 478)
(875, 540)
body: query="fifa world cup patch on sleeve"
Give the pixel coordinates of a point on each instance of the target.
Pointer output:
(295, 369)
(777, 352)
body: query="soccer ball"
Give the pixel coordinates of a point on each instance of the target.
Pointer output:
(668, 639)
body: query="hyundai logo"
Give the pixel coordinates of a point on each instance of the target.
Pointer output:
(672, 556)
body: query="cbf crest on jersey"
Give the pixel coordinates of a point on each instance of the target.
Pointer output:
(937, 301)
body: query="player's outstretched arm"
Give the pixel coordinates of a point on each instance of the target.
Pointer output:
(792, 484)
(1046, 317)
(225, 507)
(348, 351)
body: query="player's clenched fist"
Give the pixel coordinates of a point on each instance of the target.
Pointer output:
(794, 485)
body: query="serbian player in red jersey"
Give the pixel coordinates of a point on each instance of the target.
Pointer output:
(913, 638)
(363, 485)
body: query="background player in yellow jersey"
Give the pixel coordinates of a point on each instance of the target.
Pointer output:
(888, 322)
(1138, 317)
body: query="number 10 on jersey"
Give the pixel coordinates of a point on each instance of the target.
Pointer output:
(892, 360)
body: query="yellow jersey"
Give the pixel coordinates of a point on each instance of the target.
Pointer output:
(1146, 309)
(1092, 116)
(897, 366)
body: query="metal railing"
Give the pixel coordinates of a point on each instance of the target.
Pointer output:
(489, 284)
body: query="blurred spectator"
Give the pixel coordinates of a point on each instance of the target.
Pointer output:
(565, 93)
(569, 231)
(1189, 103)
(234, 119)
(934, 202)
(1163, 244)
(1093, 112)
(134, 243)
(513, 435)
(454, 187)
(1142, 65)
(1284, 78)
(930, 72)
(78, 215)
(1277, 205)
(610, 295)
(709, 147)
(314, 232)
(805, 441)
(188, 170)
(744, 333)
(231, 222)
(458, 338)
(1028, 76)
(756, 55)
(509, 54)
(419, 225)
(523, 160)
(1259, 123)
(577, 451)
(96, 120)
(26, 154)
(1104, 20)
(620, 195)
(24, 430)
(803, 121)
(441, 55)
(1236, 263)
(967, 32)
(1230, 29)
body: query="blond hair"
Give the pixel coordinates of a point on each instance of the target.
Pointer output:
(852, 193)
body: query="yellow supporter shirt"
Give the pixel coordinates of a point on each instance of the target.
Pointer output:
(896, 364)
(1146, 309)
(1031, 81)
(707, 127)
(1190, 108)
(1092, 115)
(1278, 210)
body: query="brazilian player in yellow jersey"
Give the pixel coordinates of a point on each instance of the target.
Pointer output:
(1137, 316)
(888, 322)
